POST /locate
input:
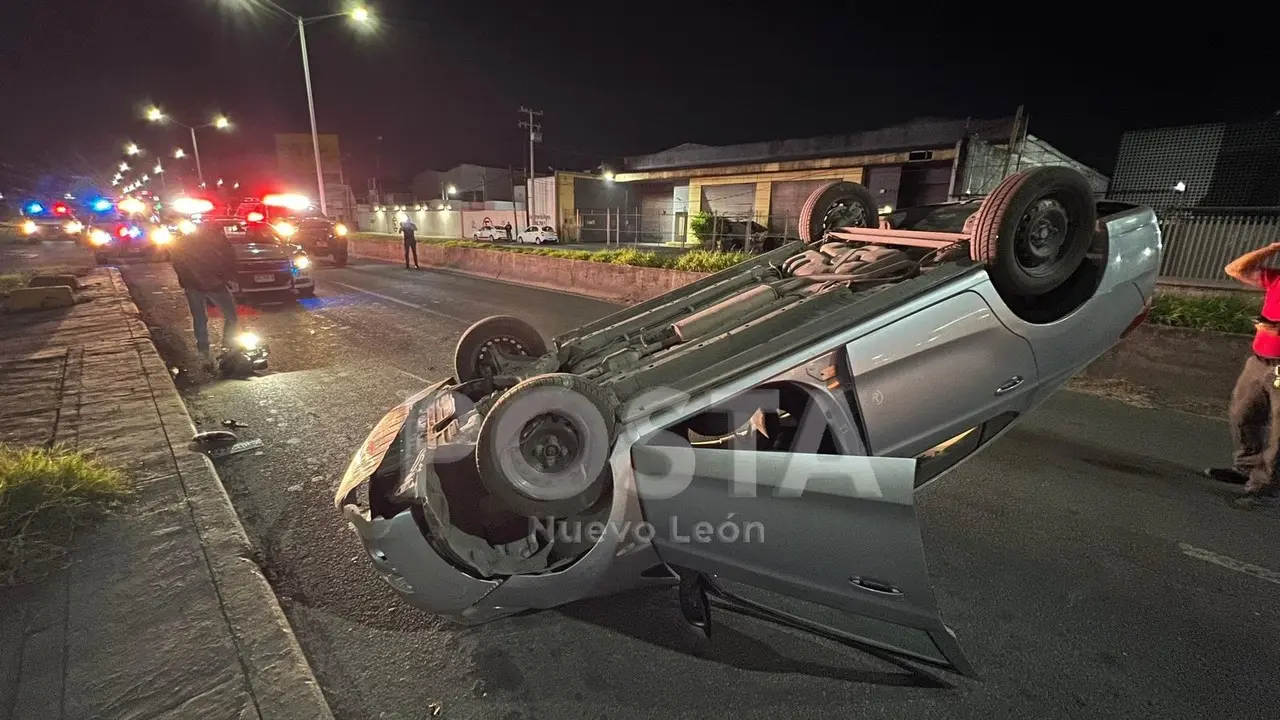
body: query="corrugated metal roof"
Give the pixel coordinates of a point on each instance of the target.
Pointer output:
(921, 134)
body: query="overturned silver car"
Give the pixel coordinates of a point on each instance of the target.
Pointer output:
(755, 438)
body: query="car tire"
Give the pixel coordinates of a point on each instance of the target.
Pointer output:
(1034, 230)
(515, 336)
(567, 412)
(340, 257)
(307, 293)
(837, 204)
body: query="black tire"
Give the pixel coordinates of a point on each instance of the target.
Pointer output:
(308, 293)
(567, 412)
(837, 204)
(340, 257)
(513, 335)
(1033, 231)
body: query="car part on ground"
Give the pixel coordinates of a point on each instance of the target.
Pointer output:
(808, 391)
(484, 348)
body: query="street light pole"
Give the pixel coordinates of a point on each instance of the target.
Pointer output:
(195, 148)
(311, 107)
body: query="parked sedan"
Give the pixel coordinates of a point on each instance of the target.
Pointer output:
(758, 435)
(537, 235)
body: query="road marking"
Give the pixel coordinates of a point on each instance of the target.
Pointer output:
(396, 300)
(415, 377)
(1229, 563)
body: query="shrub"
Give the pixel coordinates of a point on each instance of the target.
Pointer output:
(1227, 313)
(708, 261)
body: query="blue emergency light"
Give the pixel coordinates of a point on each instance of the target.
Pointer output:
(35, 208)
(102, 205)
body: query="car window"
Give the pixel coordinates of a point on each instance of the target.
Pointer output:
(934, 218)
(547, 228)
(531, 228)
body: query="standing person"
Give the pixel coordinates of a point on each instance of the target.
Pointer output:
(1255, 402)
(507, 227)
(410, 242)
(205, 262)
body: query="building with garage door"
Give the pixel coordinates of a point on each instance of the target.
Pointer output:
(921, 162)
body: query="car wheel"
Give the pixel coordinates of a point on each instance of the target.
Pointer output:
(543, 448)
(307, 292)
(836, 205)
(472, 358)
(340, 257)
(1033, 231)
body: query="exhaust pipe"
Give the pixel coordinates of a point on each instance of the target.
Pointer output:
(703, 322)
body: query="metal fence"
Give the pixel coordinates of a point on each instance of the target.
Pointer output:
(724, 230)
(1199, 242)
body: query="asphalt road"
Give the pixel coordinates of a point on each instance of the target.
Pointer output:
(1085, 568)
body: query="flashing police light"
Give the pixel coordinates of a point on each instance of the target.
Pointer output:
(60, 209)
(102, 205)
(192, 206)
(35, 208)
(288, 200)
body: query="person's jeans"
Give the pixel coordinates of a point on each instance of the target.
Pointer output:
(410, 244)
(197, 301)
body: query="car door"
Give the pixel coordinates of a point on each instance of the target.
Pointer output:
(938, 372)
(823, 533)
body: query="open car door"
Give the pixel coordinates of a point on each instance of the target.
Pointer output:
(828, 543)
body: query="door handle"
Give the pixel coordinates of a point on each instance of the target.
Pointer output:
(1012, 383)
(875, 586)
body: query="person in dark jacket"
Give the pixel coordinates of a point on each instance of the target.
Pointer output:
(408, 228)
(205, 262)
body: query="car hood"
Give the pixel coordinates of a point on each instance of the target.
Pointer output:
(262, 251)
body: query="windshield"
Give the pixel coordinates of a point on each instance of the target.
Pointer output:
(949, 217)
(249, 233)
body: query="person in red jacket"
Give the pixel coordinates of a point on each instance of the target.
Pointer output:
(1255, 402)
(205, 262)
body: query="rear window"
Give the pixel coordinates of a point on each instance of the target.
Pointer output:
(934, 218)
(548, 228)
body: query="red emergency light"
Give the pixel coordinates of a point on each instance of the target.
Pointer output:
(255, 217)
(59, 209)
(122, 231)
(192, 206)
(291, 201)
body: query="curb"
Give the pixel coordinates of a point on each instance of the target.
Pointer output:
(279, 677)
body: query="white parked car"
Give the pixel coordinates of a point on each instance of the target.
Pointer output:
(490, 233)
(538, 235)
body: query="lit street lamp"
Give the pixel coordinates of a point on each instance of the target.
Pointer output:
(220, 123)
(179, 153)
(124, 167)
(131, 149)
(358, 14)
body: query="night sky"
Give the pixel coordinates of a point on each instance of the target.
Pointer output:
(441, 82)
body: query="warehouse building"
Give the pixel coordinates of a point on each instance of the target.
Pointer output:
(652, 197)
(1214, 165)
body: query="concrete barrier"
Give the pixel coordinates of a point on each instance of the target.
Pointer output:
(54, 281)
(30, 299)
(600, 280)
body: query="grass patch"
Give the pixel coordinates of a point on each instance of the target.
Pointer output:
(703, 261)
(12, 281)
(1225, 313)
(44, 495)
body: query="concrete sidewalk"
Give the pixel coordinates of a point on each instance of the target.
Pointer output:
(160, 611)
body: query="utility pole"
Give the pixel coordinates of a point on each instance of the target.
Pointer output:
(535, 135)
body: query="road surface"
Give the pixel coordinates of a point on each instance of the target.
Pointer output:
(1085, 567)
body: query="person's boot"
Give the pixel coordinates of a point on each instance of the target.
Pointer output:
(1228, 475)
